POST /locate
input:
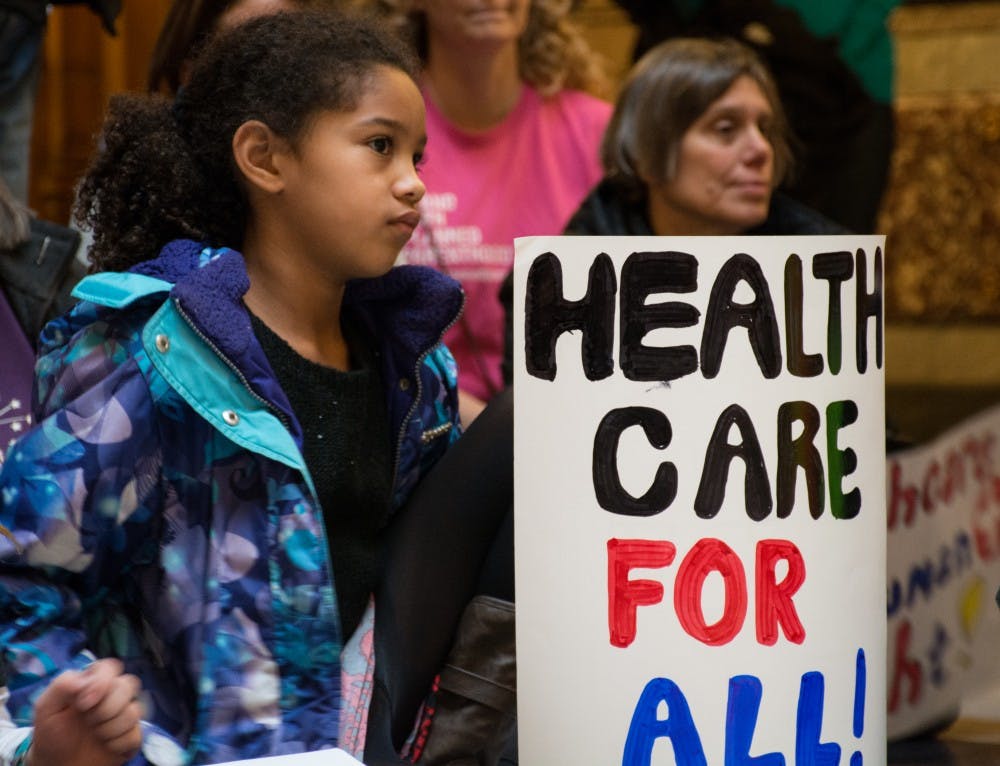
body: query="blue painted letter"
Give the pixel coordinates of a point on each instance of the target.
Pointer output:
(741, 721)
(809, 751)
(646, 728)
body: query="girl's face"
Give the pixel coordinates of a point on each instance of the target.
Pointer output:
(479, 22)
(725, 168)
(351, 188)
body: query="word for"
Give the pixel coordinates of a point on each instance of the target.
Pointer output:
(743, 706)
(548, 315)
(773, 599)
(794, 453)
(941, 482)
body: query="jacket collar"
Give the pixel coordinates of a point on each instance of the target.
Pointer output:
(411, 303)
(407, 310)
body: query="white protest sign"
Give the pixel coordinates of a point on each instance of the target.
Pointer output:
(944, 569)
(333, 757)
(700, 500)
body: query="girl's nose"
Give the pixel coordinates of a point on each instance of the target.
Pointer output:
(411, 187)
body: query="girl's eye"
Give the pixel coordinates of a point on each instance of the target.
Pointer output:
(418, 160)
(381, 144)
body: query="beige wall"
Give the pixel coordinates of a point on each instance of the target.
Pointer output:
(943, 344)
(608, 31)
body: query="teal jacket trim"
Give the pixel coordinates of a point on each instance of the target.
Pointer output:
(211, 387)
(118, 290)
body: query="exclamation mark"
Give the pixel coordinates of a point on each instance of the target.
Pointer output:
(860, 681)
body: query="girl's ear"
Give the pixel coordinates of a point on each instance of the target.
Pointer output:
(255, 149)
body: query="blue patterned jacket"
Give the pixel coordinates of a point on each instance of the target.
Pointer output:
(164, 514)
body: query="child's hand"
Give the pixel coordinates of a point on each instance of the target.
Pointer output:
(88, 718)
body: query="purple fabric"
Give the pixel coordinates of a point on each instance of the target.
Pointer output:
(17, 370)
(410, 304)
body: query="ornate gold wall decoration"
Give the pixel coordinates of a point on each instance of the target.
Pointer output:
(941, 211)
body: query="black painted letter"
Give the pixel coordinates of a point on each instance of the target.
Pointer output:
(799, 363)
(547, 315)
(646, 274)
(718, 456)
(869, 305)
(835, 268)
(611, 495)
(841, 463)
(757, 317)
(798, 453)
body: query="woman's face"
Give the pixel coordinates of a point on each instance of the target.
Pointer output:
(479, 22)
(725, 168)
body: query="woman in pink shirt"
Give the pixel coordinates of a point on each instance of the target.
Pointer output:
(513, 139)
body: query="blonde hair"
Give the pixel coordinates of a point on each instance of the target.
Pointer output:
(552, 53)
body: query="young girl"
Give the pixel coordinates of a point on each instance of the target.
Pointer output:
(514, 131)
(229, 419)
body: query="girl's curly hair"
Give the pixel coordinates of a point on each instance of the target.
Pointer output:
(552, 52)
(165, 169)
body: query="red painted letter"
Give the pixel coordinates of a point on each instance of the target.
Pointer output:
(774, 599)
(905, 667)
(624, 595)
(706, 556)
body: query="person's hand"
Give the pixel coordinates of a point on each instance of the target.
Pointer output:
(87, 718)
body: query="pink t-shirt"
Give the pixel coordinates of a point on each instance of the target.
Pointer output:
(524, 177)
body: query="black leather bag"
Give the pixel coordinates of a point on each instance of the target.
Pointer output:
(475, 706)
(38, 277)
(471, 715)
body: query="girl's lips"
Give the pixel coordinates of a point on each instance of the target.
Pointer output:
(409, 219)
